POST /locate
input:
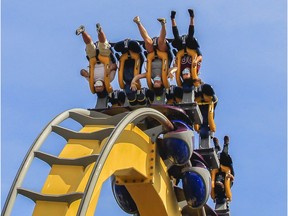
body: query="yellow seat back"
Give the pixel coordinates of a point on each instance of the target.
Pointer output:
(165, 64)
(137, 67)
(106, 61)
(227, 182)
(193, 70)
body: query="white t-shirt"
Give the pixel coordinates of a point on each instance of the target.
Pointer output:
(99, 72)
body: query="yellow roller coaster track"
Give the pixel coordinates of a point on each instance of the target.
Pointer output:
(106, 145)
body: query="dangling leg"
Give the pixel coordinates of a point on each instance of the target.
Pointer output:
(162, 45)
(86, 37)
(191, 25)
(101, 34)
(226, 144)
(177, 39)
(174, 25)
(90, 46)
(144, 34)
(104, 46)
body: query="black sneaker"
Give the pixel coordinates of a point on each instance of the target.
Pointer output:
(191, 12)
(80, 30)
(173, 13)
(226, 140)
(216, 144)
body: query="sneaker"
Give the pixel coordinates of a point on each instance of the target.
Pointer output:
(216, 144)
(226, 140)
(136, 19)
(173, 13)
(191, 12)
(98, 28)
(162, 20)
(80, 30)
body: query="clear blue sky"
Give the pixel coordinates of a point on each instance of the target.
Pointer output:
(244, 46)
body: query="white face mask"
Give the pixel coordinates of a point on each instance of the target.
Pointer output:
(186, 70)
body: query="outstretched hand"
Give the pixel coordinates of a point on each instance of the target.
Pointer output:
(171, 76)
(133, 86)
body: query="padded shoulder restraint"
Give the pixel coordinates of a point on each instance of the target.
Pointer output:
(106, 61)
(193, 70)
(227, 182)
(208, 101)
(165, 65)
(137, 66)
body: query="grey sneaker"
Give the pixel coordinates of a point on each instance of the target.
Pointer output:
(216, 144)
(98, 28)
(80, 30)
(162, 20)
(136, 19)
(226, 140)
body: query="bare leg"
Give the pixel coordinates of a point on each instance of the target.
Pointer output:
(86, 37)
(101, 36)
(162, 45)
(173, 22)
(144, 34)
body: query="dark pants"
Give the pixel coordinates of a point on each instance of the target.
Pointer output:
(190, 40)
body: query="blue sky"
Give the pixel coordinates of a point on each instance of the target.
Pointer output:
(244, 47)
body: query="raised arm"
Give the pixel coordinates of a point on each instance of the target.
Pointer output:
(112, 71)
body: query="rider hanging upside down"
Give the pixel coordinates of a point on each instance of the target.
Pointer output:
(224, 176)
(103, 48)
(185, 45)
(156, 47)
(207, 100)
(130, 62)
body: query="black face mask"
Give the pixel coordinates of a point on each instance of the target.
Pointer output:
(187, 85)
(102, 94)
(188, 82)
(208, 90)
(158, 91)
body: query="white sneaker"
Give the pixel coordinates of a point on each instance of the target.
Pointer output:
(136, 19)
(162, 20)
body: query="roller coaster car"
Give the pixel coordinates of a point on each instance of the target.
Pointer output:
(130, 64)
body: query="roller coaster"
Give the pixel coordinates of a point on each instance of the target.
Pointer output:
(144, 142)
